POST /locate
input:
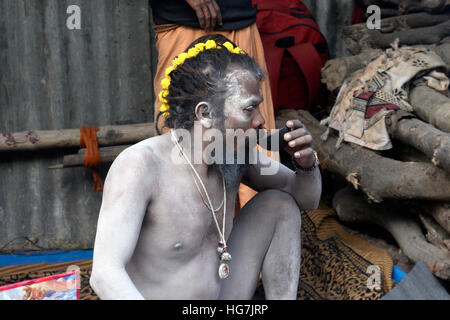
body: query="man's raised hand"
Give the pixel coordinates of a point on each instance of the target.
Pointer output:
(208, 13)
(299, 143)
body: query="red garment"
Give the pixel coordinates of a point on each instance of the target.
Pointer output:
(295, 52)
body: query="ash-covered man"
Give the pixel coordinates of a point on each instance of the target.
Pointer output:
(166, 227)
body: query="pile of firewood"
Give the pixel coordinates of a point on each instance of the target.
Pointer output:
(405, 190)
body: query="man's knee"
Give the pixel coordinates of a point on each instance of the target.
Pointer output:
(281, 204)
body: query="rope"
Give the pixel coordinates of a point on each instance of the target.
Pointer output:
(92, 159)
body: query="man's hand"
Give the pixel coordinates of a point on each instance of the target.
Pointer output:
(208, 13)
(299, 143)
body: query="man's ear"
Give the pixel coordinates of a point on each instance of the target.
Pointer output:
(203, 114)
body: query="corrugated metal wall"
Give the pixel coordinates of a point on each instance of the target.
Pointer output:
(55, 78)
(332, 16)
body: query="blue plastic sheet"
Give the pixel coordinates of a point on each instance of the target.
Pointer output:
(47, 256)
(398, 274)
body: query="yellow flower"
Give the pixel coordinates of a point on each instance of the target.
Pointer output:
(165, 114)
(161, 97)
(177, 62)
(229, 46)
(165, 93)
(183, 56)
(169, 70)
(165, 83)
(200, 46)
(210, 44)
(238, 50)
(193, 52)
(164, 107)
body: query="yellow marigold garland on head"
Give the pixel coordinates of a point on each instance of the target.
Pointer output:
(180, 59)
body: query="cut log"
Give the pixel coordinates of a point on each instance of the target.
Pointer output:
(388, 13)
(431, 6)
(401, 7)
(378, 177)
(440, 212)
(404, 152)
(443, 51)
(107, 155)
(107, 136)
(381, 3)
(435, 233)
(351, 207)
(431, 106)
(419, 28)
(434, 143)
(337, 70)
(398, 256)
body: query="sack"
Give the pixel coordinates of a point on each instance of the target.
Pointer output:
(295, 52)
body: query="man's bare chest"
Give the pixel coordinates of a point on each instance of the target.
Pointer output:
(179, 219)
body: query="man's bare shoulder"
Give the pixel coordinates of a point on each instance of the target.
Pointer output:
(139, 161)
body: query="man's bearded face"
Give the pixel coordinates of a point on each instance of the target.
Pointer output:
(241, 111)
(241, 107)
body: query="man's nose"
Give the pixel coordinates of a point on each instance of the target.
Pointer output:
(258, 121)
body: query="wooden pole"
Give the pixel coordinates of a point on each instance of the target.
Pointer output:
(47, 139)
(107, 155)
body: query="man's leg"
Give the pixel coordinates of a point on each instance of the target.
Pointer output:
(265, 237)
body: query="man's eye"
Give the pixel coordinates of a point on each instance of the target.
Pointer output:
(249, 109)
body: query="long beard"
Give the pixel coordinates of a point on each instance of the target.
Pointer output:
(232, 172)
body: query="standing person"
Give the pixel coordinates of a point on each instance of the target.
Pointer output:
(179, 22)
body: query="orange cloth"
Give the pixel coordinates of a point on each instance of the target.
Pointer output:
(171, 40)
(92, 159)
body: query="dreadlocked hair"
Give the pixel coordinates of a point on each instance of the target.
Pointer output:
(202, 78)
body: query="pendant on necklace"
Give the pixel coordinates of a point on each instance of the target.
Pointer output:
(224, 270)
(224, 255)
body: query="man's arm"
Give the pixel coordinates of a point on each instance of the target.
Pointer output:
(125, 200)
(305, 187)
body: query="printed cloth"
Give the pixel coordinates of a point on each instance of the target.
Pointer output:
(368, 96)
(18, 273)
